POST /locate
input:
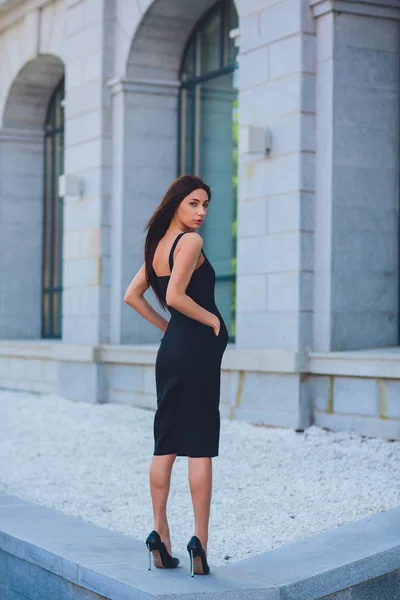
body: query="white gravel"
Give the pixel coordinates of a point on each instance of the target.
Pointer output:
(270, 485)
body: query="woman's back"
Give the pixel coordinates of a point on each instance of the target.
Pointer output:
(201, 285)
(161, 258)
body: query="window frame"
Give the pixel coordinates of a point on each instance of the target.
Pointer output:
(51, 321)
(224, 8)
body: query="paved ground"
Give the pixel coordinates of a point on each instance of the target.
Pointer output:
(270, 484)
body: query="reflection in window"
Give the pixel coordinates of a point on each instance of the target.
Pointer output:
(52, 217)
(208, 140)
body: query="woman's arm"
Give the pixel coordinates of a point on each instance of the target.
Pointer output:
(134, 298)
(185, 261)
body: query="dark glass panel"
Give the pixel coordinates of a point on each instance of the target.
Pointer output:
(218, 168)
(46, 314)
(52, 222)
(188, 63)
(56, 214)
(47, 210)
(232, 22)
(210, 44)
(61, 151)
(187, 131)
(56, 313)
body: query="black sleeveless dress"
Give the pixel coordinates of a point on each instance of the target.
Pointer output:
(188, 373)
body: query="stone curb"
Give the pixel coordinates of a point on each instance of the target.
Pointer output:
(115, 566)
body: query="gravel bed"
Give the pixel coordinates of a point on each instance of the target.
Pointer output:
(271, 486)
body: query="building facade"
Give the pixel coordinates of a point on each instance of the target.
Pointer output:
(289, 109)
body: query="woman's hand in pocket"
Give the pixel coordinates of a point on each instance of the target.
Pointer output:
(216, 326)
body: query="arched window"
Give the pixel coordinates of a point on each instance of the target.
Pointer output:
(208, 138)
(52, 216)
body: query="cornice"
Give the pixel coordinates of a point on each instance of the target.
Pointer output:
(15, 11)
(21, 135)
(127, 85)
(385, 9)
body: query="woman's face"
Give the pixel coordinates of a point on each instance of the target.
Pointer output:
(193, 209)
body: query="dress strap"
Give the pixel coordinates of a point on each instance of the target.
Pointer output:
(173, 248)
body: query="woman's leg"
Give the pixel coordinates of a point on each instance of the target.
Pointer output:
(200, 483)
(160, 480)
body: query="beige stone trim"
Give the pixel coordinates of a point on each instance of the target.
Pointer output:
(379, 362)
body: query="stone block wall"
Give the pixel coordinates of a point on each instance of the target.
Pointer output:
(275, 220)
(88, 156)
(367, 406)
(29, 374)
(282, 390)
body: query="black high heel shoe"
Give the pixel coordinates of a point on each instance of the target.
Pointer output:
(198, 558)
(162, 558)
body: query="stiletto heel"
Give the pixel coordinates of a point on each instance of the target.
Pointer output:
(162, 558)
(148, 546)
(191, 563)
(196, 551)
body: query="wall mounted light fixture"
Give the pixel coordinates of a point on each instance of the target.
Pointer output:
(70, 185)
(256, 139)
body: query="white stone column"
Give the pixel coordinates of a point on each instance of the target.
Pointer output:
(276, 192)
(118, 167)
(144, 164)
(86, 269)
(323, 183)
(86, 252)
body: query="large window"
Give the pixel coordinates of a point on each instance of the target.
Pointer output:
(52, 218)
(208, 137)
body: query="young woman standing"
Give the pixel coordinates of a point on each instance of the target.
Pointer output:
(188, 364)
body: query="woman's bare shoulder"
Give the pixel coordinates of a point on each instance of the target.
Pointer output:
(191, 239)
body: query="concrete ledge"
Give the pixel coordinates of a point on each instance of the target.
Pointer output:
(57, 549)
(45, 350)
(378, 363)
(361, 424)
(261, 360)
(143, 354)
(235, 359)
(336, 560)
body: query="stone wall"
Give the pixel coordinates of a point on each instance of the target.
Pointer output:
(275, 221)
(317, 244)
(358, 167)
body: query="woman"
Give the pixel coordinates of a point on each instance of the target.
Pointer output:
(188, 364)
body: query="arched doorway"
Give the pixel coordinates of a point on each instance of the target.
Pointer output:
(208, 139)
(22, 168)
(52, 216)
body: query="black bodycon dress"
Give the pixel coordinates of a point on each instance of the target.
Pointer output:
(188, 373)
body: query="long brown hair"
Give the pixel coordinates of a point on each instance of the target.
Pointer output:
(160, 220)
